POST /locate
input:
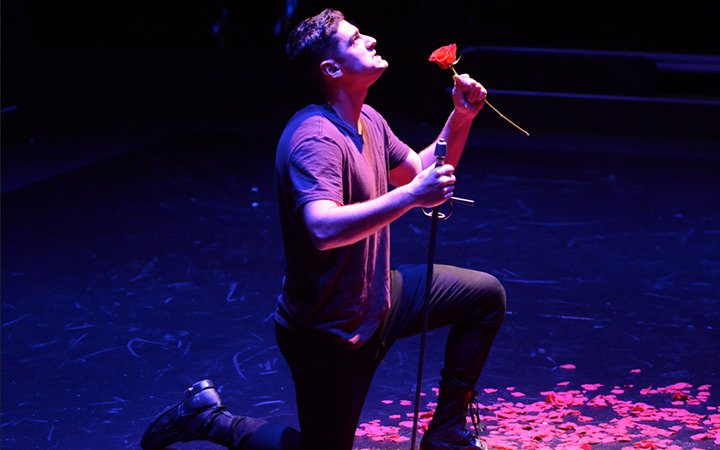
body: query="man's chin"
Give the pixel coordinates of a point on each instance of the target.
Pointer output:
(380, 61)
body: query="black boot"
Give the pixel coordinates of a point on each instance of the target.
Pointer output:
(200, 415)
(186, 421)
(448, 428)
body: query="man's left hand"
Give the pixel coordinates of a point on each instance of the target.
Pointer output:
(468, 95)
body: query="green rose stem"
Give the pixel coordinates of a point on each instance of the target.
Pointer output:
(498, 112)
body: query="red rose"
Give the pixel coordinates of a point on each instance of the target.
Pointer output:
(444, 56)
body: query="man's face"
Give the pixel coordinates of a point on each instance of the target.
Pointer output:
(355, 52)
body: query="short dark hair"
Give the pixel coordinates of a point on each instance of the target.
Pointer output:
(308, 45)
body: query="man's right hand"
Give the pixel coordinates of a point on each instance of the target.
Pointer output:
(433, 186)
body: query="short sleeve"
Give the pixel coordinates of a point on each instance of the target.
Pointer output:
(397, 149)
(315, 171)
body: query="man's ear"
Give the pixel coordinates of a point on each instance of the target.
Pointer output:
(330, 69)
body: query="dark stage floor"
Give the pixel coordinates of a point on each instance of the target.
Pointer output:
(126, 280)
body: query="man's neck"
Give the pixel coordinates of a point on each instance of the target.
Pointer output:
(348, 107)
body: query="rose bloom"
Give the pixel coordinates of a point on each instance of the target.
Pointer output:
(444, 56)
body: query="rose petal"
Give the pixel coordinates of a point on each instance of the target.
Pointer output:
(444, 56)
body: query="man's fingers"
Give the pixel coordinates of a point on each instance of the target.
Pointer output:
(471, 90)
(446, 169)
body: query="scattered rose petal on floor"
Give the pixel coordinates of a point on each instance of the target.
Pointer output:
(669, 417)
(701, 436)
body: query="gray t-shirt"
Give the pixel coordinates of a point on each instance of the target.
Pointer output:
(343, 291)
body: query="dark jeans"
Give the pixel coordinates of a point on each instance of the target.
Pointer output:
(331, 382)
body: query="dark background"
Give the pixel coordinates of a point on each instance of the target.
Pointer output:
(110, 67)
